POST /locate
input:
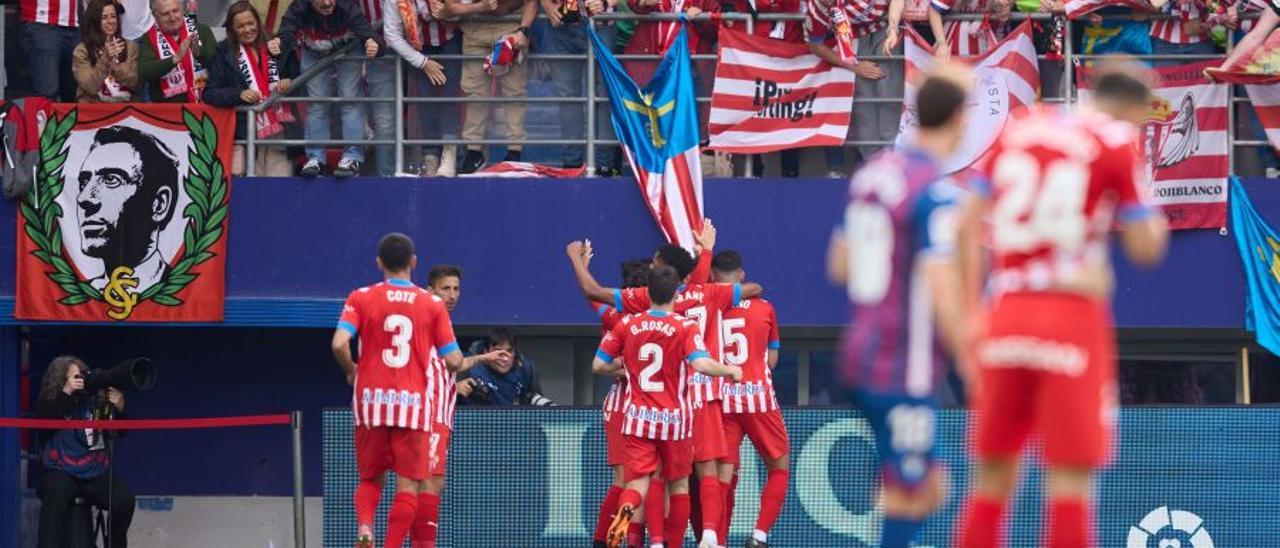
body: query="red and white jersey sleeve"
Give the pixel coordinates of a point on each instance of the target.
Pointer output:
(1059, 182)
(750, 332)
(656, 349)
(609, 317)
(59, 13)
(399, 326)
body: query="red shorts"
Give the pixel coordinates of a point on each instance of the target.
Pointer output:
(1047, 365)
(401, 450)
(615, 445)
(644, 456)
(766, 431)
(438, 449)
(708, 433)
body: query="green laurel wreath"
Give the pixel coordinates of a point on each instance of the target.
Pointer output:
(205, 184)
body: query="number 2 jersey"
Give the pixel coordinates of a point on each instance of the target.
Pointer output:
(1058, 181)
(399, 326)
(656, 349)
(901, 212)
(703, 303)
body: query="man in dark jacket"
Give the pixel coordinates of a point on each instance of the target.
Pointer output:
(75, 460)
(321, 27)
(174, 56)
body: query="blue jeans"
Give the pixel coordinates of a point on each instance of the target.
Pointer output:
(48, 50)
(570, 79)
(380, 76)
(347, 74)
(1160, 47)
(439, 120)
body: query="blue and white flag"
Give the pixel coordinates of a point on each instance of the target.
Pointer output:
(658, 128)
(1259, 248)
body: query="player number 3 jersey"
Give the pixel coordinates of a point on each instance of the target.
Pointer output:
(656, 349)
(399, 326)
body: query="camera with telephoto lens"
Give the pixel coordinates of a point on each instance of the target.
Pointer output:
(129, 375)
(482, 391)
(537, 400)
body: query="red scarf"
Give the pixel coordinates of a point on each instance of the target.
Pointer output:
(258, 70)
(188, 75)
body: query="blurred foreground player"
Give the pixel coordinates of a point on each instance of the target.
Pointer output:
(656, 347)
(751, 409)
(1046, 364)
(894, 253)
(400, 325)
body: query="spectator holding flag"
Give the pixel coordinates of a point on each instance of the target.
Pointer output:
(787, 31)
(418, 30)
(566, 33)
(654, 37)
(504, 42)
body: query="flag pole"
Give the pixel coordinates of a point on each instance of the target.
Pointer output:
(1246, 394)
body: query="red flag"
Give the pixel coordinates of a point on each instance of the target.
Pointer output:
(1079, 8)
(773, 95)
(127, 218)
(528, 170)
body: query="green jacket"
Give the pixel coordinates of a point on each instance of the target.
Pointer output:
(151, 68)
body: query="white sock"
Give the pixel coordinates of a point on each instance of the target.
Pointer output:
(709, 537)
(760, 536)
(656, 545)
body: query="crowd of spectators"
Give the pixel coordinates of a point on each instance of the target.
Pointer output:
(158, 51)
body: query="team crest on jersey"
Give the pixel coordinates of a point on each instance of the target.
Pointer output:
(127, 217)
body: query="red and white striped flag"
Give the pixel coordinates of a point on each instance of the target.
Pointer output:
(1006, 79)
(773, 95)
(528, 170)
(1079, 8)
(1260, 75)
(1185, 145)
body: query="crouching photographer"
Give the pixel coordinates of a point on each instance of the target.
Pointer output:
(77, 461)
(505, 377)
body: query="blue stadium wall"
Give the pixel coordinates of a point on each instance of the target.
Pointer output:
(297, 247)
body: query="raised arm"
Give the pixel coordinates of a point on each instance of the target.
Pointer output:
(1257, 35)
(591, 289)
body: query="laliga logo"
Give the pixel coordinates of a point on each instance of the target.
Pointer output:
(1169, 529)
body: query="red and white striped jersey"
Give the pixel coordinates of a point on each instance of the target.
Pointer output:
(750, 332)
(704, 303)
(439, 32)
(1059, 182)
(59, 13)
(656, 349)
(967, 38)
(609, 317)
(399, 326)
(442, 385)
(1171, 30)
(865, 16)
(372, 10)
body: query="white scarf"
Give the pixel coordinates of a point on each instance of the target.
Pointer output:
(263, 79)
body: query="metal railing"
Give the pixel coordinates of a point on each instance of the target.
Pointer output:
(1069, 60)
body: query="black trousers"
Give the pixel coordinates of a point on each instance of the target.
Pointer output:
(57, 490)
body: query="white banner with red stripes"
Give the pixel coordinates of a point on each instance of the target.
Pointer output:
(1079, 8)
(1266, 104)
(1006, 79)
(773, 95)
(1260, 75)
(1185, 145)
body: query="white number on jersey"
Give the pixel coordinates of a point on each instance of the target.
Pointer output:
(401, 329)
(651, 354)
(1037, 208)
(911, 428)
(699, 313)
(735, 341)
(869, 235)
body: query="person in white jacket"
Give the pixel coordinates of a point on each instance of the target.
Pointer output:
(418, 30)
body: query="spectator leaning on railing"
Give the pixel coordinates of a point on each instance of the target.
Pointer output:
(105, 65)
(566, 33)
(174, 55)
(49, 33)
(244, 73)
(380, 79)
(417, 30)
(1185, 33)
(509, 379)
(787, 31)
(322, 27)
(479, 38)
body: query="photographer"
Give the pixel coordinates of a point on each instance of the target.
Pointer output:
(75, 460)
(507, 380)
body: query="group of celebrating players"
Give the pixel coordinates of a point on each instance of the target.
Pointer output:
(1003, 270)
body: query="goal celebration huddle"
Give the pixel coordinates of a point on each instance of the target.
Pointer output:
(1000, 272)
